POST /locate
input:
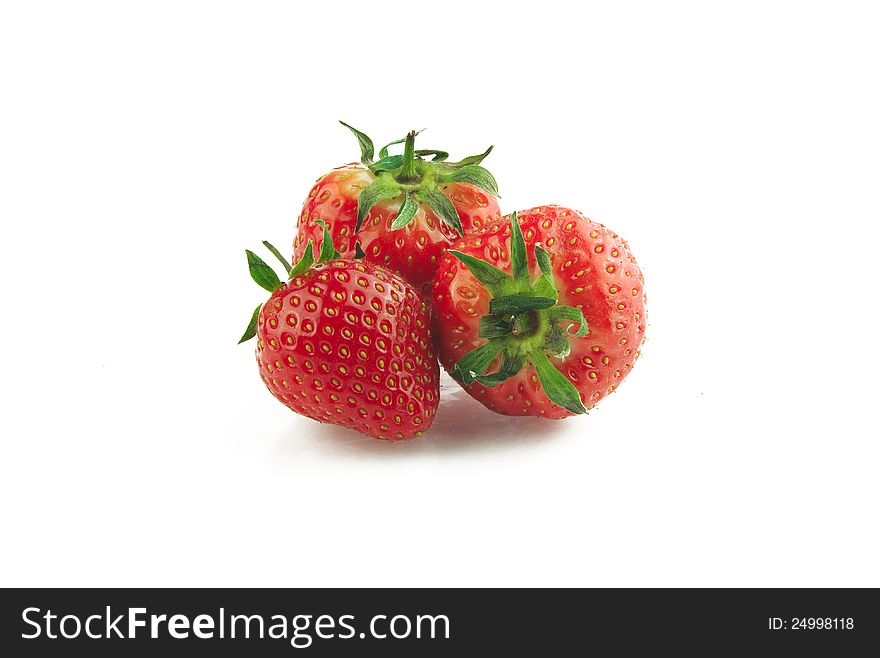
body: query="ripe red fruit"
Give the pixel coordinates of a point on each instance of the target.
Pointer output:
(401, 210)
(346, 342)
(554, 346)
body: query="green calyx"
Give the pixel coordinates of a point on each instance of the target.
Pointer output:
(416, 180)
(268, 279)
(525, 324)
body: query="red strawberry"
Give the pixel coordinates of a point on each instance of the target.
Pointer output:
(552, 346)
(402, 210)
(346, 342)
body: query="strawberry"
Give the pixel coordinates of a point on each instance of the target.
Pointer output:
(399, 211)
(540, 314)
(346, 342)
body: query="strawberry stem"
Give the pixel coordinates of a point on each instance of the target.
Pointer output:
(408, 172)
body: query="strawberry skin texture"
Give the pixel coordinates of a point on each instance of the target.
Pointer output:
(349, 343)
(412, 251)
(594, 271)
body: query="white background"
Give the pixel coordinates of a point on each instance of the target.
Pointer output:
(144, 145)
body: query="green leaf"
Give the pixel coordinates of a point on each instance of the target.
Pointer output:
(388, 163)
(510, 366)
(570, 313)
(474, 175)
(441, 205)
(383, 152)
(328, 251)
(439, 156)
(487, 274)
(307, 260)
(543, 259)
(518, 260)
(405, 213)
(379, 189)
(557, 342)
(476, 361)
(560, 391)
(474, 159)
(365, 143)
(492, 326)
(516, 304)
(251, 330)
(261, 273)
(545, 286)
(277, 255)
(358, 252)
